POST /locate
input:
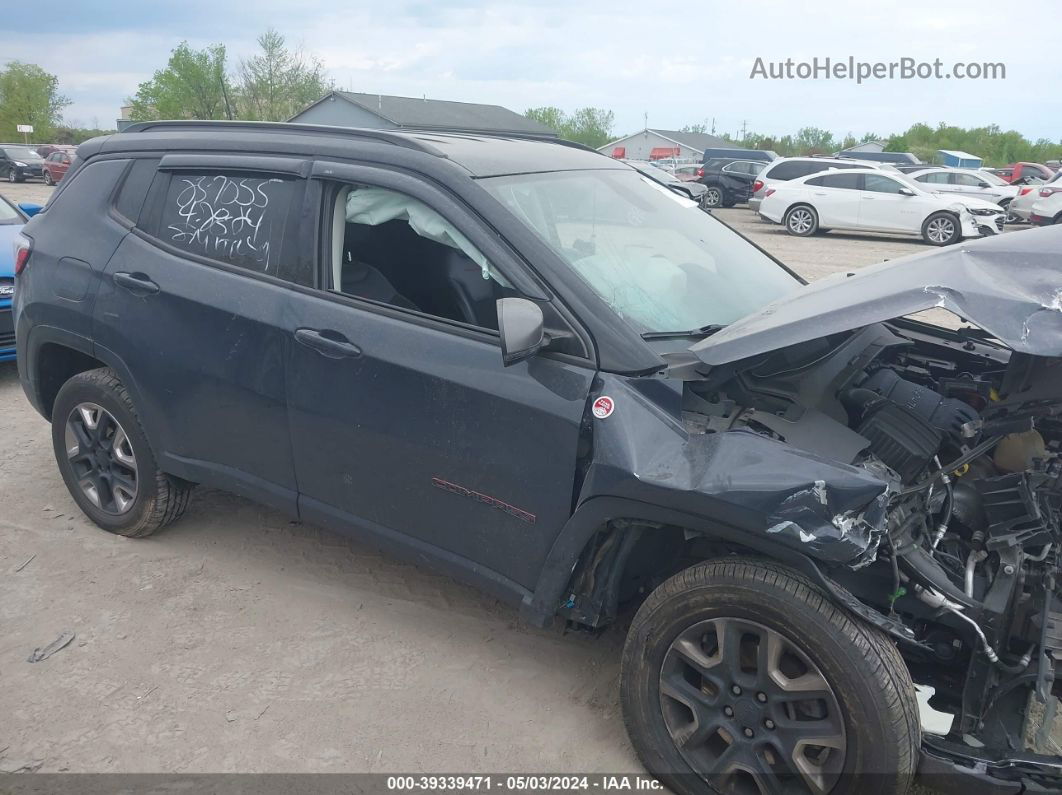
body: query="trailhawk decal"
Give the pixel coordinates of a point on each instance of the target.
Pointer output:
(485, 499)
(603, 407)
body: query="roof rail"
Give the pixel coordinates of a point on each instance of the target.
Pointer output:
(292, 128)
(404, 137)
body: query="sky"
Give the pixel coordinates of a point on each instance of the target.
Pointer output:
(672, 63)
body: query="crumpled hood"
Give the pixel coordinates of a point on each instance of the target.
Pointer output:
(1009, 285)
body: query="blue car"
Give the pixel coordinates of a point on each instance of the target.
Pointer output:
(12, 219)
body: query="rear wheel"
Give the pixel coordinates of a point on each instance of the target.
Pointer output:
(740, 676)
(801, 220)
(941, 229)
(106, 461)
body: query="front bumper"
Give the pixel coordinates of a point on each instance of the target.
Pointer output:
(959, 770)
(30, 172)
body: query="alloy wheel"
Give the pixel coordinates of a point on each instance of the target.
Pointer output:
(713, 197)
(749, 711)
(801, 221)
(11, 176)
(101, 456)
(941, 230)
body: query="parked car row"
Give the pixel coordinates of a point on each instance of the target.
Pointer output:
(874, 200)
(49, 162)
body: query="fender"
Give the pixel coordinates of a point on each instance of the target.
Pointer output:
(29, 352)
(540, 606)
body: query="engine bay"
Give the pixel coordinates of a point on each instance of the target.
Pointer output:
(963, 543)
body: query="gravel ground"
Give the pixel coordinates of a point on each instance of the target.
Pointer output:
(237, 640)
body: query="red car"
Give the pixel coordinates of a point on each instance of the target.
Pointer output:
(1016, 172)
(56, 165)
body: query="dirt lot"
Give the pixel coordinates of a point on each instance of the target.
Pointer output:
(239, 641)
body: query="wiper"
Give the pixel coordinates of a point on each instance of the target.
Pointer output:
(703, 331)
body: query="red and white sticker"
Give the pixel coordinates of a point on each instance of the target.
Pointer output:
(603, 407)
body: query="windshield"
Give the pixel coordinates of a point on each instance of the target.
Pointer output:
(21, 153)
(991, 178)
(660, 262)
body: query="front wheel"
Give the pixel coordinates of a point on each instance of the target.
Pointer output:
(801, 220)
(12, 175)
(106, 461)
(941, 229)
(740, 676)
(48, 177)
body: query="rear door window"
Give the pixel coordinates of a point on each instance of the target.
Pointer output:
(132, 194)
(237, 219)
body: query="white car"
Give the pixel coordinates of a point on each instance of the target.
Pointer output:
(1028, 195)
(784, 169)
(868, 200)
(1047, 209)
(967, 182)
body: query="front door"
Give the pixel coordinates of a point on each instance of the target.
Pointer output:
(404, 420)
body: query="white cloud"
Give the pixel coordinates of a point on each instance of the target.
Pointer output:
(680, 62)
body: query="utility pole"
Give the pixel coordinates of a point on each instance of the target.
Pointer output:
(744, 129)
(645, 115)
(713, 125)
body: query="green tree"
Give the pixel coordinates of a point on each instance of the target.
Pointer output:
(193, 85)
(552, 117)
(589, 126)
(277, 83)
(29, 95)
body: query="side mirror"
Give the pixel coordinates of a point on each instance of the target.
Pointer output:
(906, 192)
(520, 323)
(983, 185)
(30, 209)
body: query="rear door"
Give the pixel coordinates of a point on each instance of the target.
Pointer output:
(404, 420)
(193, 302)
(835, 196)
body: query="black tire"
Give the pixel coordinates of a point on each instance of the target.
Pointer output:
(729, 203)
(48, 177)
(1010, 218)
(157, 499)
(12, 176)
(935, 226)
(713, 197)
(801, 220)
(868, 682)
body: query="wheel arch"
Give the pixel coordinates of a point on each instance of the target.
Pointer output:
(584, 572)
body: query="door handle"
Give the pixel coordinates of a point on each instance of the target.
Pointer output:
(327, 346)
(136, 283)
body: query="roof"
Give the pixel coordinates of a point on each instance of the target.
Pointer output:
(691, 140)
(481, 154)
(958, 154)
(439, 114)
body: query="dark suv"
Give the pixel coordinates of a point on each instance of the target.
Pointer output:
(527, 365)
(19, 163)
(729, 182)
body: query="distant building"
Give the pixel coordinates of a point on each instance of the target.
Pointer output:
(124, 117)
(653, 144)
(383, 112)
(866, 146)
(956, 159)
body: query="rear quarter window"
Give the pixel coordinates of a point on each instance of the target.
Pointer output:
(132, 194)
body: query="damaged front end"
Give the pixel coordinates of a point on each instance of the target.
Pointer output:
(920, 468)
